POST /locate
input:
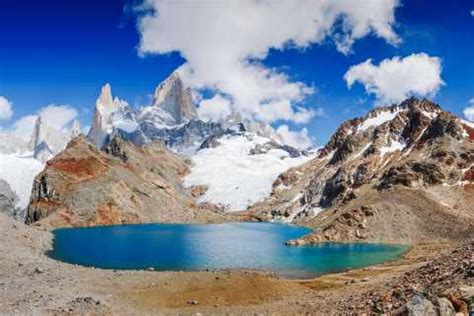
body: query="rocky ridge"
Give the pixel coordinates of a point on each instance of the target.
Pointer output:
(123, 183)
(9, 201)
(444, 286)
(399, 174)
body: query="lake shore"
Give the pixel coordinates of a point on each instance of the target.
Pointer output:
(33, 283)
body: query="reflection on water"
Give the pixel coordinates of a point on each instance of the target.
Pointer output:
(212, 246)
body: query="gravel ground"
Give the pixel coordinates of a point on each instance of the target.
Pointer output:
(32, 283)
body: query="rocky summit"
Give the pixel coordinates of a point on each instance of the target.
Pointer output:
(400, 174)
(123, 183)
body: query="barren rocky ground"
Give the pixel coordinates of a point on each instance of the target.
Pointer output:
(32, 283)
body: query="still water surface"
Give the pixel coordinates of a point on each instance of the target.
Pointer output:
(212, 246)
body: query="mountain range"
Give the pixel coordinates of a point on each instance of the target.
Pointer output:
(400, 174)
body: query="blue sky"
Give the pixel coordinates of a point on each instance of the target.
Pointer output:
(62, 52)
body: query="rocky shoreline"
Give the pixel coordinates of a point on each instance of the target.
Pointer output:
(32, 283)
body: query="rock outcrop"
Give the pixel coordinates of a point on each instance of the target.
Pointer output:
(410, 163)
(123, 183)
(444, 286)
(9, 201)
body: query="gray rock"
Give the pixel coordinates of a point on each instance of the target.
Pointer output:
(420, 306)
(8, 201)
(445, 307)
(467, 294)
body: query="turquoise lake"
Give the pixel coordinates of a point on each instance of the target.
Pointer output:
(212, 246)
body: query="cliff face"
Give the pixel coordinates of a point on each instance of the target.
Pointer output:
(83, 186)
(399, 174)
(172, 97)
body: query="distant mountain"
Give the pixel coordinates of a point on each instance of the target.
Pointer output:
(172, 118)
(173, 99)
(47, 141)
(397, 174)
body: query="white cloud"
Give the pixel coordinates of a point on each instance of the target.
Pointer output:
(56, 116)
(6, 110)
(23, 127)
(395, 79)
(224, 43)
(469, 110)
(214, 109)
(294, 138)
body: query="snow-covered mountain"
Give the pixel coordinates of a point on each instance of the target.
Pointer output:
(235, 159)
(172, 117)
(251, 152)
(110, 114)
(47, 141)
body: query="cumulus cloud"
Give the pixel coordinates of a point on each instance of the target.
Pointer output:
(225, 42)
(58, 116)
(397, 78)
(294, 138)
(469, 110)
(55, 116)
(214, 109)
(6, 110)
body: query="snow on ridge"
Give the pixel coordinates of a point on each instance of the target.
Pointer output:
(236, 179)
(394, 146)
(431, 115)
(362, 150)
(468, 123)
(379, 119)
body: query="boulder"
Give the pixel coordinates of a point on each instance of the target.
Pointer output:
(418, 306)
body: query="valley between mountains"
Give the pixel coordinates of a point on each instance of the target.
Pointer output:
(402, 174)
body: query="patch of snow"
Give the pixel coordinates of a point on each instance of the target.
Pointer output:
(235, 178)
(381, 118)
(19, 171)
(394, 146)
(362, 150)
(430, 115)
(313, 211)
(124, 124)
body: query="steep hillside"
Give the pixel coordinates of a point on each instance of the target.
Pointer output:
(123, 183)
(400, 174)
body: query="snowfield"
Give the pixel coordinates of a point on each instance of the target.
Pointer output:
(236, 179)
(19, 171)
(381, 118)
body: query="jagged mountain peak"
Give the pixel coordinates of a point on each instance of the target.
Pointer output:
(46, 141)
(105, 97)
(172, 96)
(395, 126)
(75, 128)
(110, 113)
